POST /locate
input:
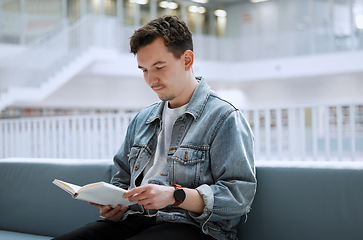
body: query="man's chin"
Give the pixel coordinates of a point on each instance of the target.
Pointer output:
(165, 98)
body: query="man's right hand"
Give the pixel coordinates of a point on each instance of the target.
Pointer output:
(109, 213)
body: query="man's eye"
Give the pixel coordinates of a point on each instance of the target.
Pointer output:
(144, 70)
(159, 68)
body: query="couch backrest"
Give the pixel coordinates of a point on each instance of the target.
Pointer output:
(31, 203)
(300, 201)
(293, 201)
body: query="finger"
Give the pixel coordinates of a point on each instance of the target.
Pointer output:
(134, 192)
(95, 204)
(112, 211)
(117, 217)
(105, 210)
(144, 201)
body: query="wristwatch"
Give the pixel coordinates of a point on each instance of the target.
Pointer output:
(179, 195)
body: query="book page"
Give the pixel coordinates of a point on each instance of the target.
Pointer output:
(68, 187)
(104, 194)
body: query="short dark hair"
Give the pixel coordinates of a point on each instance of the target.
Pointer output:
(174, 31)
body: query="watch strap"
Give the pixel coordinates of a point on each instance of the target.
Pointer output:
(177, 203)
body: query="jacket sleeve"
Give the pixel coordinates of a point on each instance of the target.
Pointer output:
(232, 167)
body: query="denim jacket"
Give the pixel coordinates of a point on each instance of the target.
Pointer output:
(211, 150)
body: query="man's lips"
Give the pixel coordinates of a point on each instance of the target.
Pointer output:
(157, 87)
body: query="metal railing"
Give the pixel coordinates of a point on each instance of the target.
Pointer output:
(81, 137)
(318, 133)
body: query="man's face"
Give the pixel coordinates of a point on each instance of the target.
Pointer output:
(164, 73)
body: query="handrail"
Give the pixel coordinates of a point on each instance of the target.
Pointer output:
(44, 57)
(317, 133)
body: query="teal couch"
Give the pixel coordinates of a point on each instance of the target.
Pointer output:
(307, 201)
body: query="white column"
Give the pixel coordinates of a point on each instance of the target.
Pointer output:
(83, 8)
(183, 8)
(268, 133)
(102, 7)
(120, 20)
(302, 130)
(312, 26)
(136, 15)
(199, 26)
(153, 9)
(279, 132)
(314, 128)
(120, 10)
(353, 39)
(1, 9)
(352, 130)
(212, 22)
(331, 25)
(340, 132)
(64, 12)
(327, 133)
(292, 133)
(22, 21)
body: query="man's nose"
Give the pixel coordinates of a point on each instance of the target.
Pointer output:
(150, 78)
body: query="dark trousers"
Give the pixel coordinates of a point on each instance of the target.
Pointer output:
(136, 228)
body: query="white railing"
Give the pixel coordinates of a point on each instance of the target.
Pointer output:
(81, 137)
(320, 133)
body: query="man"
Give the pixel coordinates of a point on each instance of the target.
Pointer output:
(188, 160)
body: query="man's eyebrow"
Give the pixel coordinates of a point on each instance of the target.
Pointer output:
(156, 63)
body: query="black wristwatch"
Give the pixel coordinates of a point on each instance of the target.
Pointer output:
(179, 195)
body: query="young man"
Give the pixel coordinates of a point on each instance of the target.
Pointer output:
(188, 160)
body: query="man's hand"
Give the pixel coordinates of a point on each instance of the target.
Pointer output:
(109, 213)
(152, 196)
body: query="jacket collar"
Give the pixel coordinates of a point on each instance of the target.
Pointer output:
(196, 104)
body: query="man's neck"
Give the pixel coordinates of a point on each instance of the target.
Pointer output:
(193, 83)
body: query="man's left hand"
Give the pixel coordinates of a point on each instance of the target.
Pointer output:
(152, 196)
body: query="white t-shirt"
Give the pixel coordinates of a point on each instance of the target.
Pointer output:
(158, 161)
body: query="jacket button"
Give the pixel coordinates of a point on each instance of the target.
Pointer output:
(136, 167)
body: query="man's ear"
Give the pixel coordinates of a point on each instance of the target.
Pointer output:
(188, 59)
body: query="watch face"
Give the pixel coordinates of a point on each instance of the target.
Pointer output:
(179, 195)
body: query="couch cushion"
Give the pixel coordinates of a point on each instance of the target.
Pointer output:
(306, 200)
(7, 235)
(31, 203)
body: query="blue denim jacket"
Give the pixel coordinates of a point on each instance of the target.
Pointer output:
(211, 150)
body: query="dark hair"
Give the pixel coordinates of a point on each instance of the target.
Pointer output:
(174, 31)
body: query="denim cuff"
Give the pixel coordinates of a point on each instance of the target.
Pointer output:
(208, 196)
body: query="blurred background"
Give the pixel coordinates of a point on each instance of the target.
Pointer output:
(69, 86)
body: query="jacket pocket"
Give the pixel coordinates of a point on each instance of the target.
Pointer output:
(187, 164)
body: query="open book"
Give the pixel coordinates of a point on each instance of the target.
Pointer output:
(100, 193)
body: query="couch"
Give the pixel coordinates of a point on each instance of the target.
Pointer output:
(294, 200)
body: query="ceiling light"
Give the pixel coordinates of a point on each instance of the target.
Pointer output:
(257, 1)
(200, 1)
(170, 5)
(220, 13)
(141, 2)
(196, 9)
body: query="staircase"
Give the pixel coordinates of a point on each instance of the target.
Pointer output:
(46, 65)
